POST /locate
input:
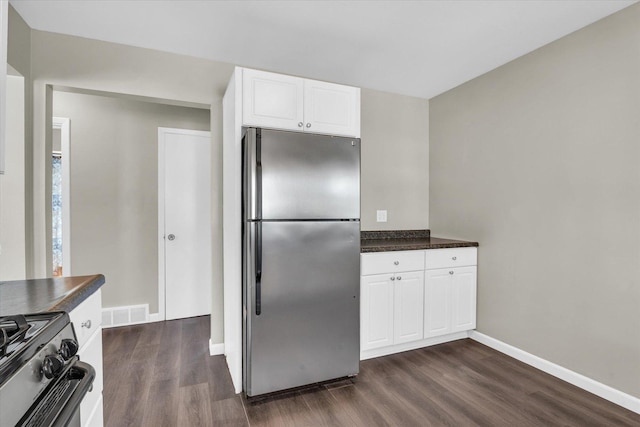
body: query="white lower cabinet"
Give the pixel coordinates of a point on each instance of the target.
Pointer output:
(402, 310)
(449, 300)
(87, 322)
(391, 309)
(408, 307)
(376, 311)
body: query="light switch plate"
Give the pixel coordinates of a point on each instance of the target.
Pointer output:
(381, 216)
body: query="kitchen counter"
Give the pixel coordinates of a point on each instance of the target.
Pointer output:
(56, 294)
(406, 240)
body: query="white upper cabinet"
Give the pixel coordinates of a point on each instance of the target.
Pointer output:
(272, 100)
(331, 109)
(292, 103)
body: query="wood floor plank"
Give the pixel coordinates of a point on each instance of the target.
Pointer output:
(161, 408)
(194, 408)
(220, 384)
(327, 409)
(162, 375)
(229, 413)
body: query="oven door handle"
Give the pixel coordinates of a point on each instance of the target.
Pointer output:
(86, 374)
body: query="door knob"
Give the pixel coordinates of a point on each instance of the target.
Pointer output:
(171, 237)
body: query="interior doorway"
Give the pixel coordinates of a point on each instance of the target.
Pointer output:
(184, 223)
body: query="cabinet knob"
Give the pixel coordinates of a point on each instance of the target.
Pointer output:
(396, 262)
(300, 124)
(399, 277)
(451, 272)
(454, 258)
(308, 125)
(393, 278)
(86, 324)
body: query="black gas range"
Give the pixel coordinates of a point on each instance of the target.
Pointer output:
(42, 380)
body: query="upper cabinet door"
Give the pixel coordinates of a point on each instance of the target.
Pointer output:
(272, 100)
(331, 109)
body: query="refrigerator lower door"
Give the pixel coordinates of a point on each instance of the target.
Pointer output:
(308, 327)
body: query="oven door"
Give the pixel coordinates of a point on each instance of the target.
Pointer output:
(59, 404)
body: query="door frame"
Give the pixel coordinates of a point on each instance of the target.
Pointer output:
(64, 125)
(162, 133)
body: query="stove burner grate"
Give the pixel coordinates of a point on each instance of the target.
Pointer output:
(12, 328)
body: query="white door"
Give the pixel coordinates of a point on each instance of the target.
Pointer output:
(331, 109)
(184, 204)
(437, 302)
(464, 298)
(376, 311)
(272, 100)
(408, 310)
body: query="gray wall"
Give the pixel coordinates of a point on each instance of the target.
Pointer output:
(12, 190)
(538, 160)
(395, 161)
(114, 189)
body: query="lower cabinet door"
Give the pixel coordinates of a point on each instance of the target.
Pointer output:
(463, 298)
(408, 307)
(376, 311)
(437, 302)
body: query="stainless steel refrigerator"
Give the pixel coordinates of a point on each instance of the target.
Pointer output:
(301, 259)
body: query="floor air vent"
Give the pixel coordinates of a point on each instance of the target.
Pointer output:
(125, 315)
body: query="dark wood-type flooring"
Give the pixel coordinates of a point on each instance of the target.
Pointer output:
(161, 374)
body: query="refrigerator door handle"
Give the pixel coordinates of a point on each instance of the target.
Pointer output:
(258, 268)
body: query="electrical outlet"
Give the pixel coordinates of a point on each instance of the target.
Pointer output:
(381, 216)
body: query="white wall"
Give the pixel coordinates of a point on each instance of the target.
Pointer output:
(12, 189)
(539, 160)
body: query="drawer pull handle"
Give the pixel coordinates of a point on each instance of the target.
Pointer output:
(396, 262)
(454, 258)
(451, 272)
(399, 278)
(393, 278)
(86, 324)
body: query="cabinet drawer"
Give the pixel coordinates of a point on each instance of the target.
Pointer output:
(391, 262)
(454, 257)
(87, 317)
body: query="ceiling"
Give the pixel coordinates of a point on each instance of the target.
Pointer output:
(417, 48)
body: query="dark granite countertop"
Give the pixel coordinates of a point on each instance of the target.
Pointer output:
(406, 240)
(37, 295)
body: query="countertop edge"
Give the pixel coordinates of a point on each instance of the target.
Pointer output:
(80, 293)
(407, 246)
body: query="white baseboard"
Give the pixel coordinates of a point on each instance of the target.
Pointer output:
(215, 349)
(398, 348)
(611, 394)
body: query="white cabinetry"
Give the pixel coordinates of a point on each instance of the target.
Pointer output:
(450, 291)
(292, 103)
(87, 322)
(412, 299)
(391, 299)
(376, 311)
(408, 306)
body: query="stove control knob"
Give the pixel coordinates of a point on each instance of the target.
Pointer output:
(68, 348)
(52, 365)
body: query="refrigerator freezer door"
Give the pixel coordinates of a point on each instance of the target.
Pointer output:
(305, 176)
(308, 327)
